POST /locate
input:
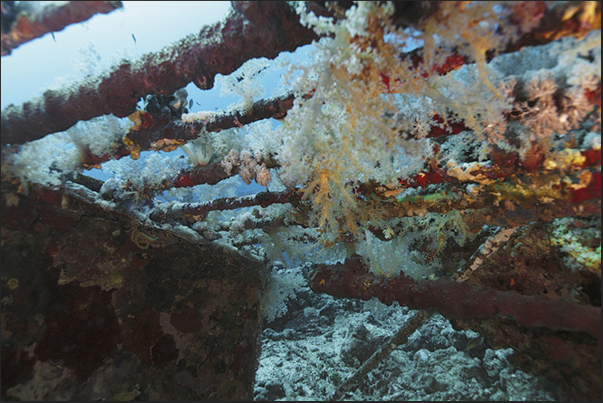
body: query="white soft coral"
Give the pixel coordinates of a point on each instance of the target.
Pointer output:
(198, 151)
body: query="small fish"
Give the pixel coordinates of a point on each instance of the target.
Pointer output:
(133, 37)
(190, 103)
(126, 396)
(472, 344)
(53, 38)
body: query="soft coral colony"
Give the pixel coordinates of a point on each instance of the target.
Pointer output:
(416, 129)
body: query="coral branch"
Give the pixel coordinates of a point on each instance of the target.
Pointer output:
(160, 130)
(201, 174)
(454, 300)
(251, 30)
(200, 210)
(209, 174)
(163, 127)
(30, 20)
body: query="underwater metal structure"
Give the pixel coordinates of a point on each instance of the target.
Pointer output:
(169, 313)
